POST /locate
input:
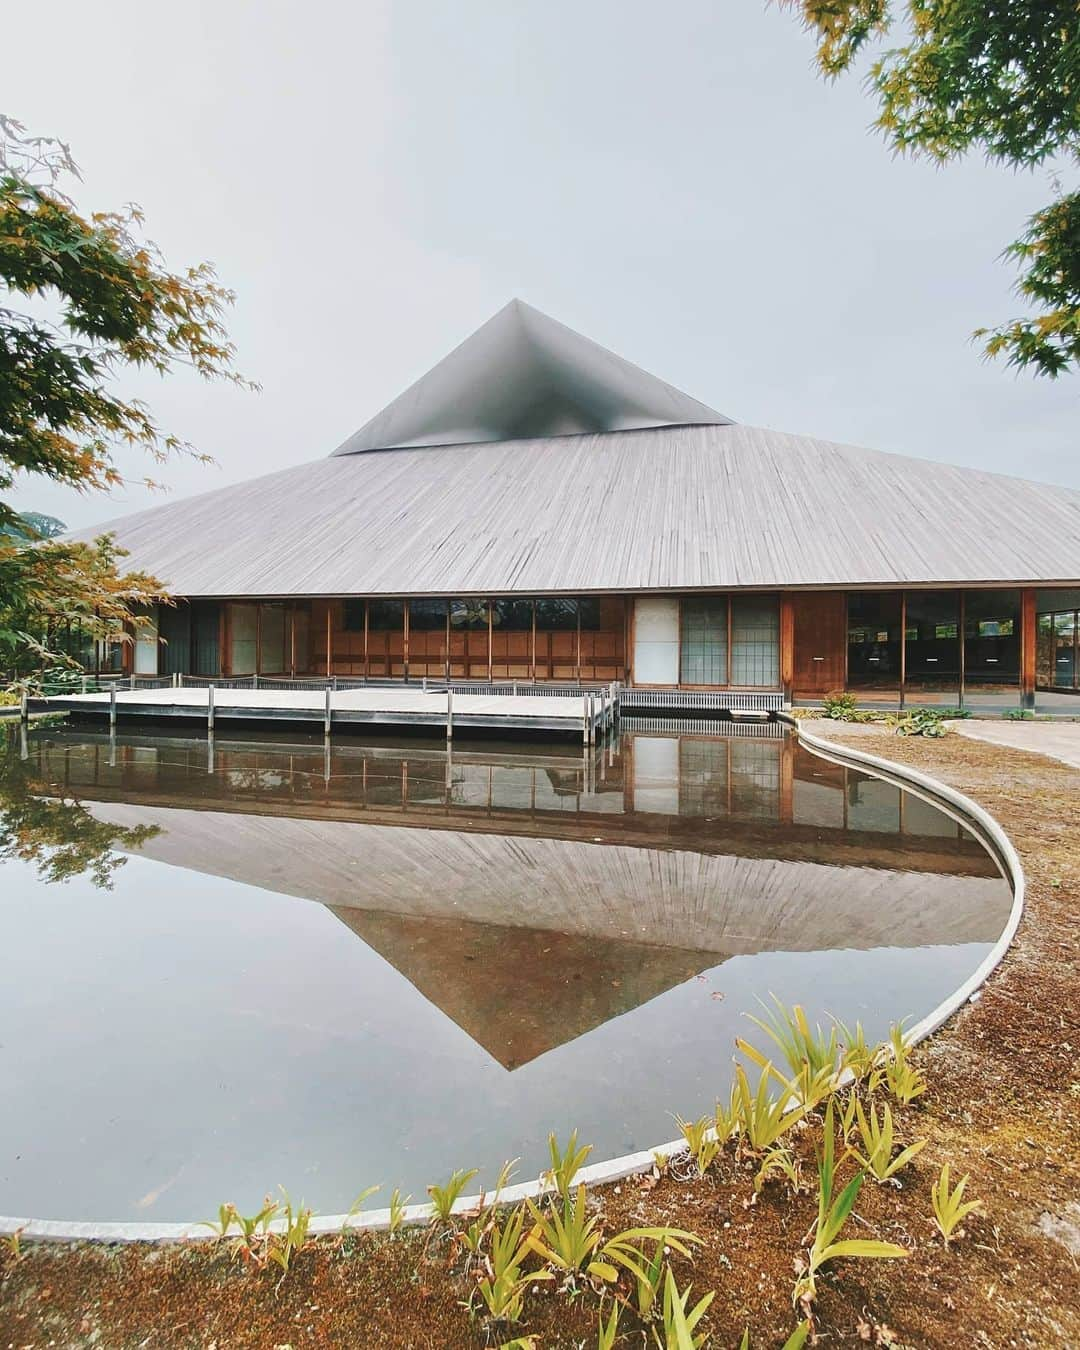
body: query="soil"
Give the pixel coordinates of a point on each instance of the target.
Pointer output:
(1002, 1105)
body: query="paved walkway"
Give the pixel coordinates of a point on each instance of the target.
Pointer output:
(1060, 740)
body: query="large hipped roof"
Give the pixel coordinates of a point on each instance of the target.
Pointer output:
(665, 508)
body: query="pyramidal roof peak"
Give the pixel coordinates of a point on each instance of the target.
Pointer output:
(523, 375)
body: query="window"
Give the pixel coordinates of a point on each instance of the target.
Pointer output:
(755, 641)
(557, 615)
(874, 643)
(468, 616)
(352, 615)
(385, 616)
(512, 616)
(992, 648)
(427, 616)
(704, 640)
(932, 647)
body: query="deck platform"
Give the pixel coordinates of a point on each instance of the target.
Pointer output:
(585, 716)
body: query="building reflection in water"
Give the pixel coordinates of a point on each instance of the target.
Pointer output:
(533, 895)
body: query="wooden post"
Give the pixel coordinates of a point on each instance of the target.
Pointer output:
(329, 636)
(112, 706)
(787, 647)
(84, 684)
(449, 713)
(367, 656)
(210, 710)
(405, 639)
(903, 648)
(787, 781)
(1028, 631)
(210, 751)
(131, 683)
(326, 712)
(24, 707)
(585, 720)
(491, 641)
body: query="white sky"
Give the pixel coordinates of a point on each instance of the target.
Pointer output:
(676, 182)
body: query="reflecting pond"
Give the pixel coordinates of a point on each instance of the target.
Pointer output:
(262, 961)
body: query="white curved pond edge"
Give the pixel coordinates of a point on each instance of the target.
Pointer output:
(960, 807)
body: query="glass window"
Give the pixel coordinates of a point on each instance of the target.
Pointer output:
(704, 640)
(1057, 661)
(272, 639)
(243, 624)
(873, 644)
(427, 616)
(511, 616)
(932, 647)
(385, 616)
(755, 641)
(554, 614)
(992, 649)
(352, 615)
(468, 615)
(1064, 650)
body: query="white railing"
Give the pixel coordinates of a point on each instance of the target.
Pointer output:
(711, 700)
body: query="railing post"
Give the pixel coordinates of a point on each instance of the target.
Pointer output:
(210, 710)
(112, 706)
(24, 706)
(132, 684)
(326, 713)
(83, 684)
(449, 713)
(255, 681)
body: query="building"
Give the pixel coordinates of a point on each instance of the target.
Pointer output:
(537, 508)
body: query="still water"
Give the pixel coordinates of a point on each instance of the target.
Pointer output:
(224, 968)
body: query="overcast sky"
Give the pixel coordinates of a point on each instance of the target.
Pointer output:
(675, 181)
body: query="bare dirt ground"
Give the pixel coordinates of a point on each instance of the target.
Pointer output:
(1003, 1104)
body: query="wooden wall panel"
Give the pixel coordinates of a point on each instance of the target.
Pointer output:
(820, 643)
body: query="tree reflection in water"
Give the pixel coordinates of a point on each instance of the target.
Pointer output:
(44, 824)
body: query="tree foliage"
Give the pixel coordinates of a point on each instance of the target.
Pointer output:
(42, 823)
(97, 300)
(1002, 76)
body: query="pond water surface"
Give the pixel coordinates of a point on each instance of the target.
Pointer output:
(227, 968)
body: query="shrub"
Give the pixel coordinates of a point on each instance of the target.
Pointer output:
(839, 705)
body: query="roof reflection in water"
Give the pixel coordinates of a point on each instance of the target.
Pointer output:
(532, 896)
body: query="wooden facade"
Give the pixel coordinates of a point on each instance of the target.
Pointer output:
(933, 647)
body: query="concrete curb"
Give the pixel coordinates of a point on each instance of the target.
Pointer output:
(930, 789)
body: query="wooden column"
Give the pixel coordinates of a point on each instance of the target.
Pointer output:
(1028, 625)
(225, 638)
(577, 645)
(787, 780)
(787, 645)
(405, 638)
(903, 648)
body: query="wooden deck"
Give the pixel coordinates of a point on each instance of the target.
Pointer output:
(585, 716)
